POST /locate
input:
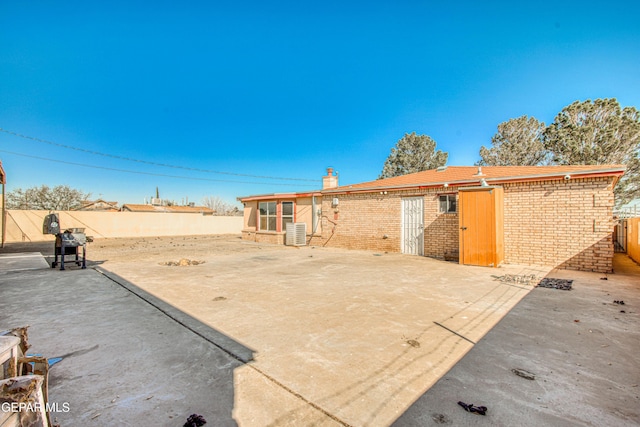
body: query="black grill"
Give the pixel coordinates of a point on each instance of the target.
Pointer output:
(68, 243)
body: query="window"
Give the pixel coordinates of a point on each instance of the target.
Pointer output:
(448, 203)
(287, 214)
(267, 216)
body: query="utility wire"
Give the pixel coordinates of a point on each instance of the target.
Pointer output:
(144, 173)
(114, 156)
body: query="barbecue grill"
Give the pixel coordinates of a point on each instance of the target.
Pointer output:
(67, 243)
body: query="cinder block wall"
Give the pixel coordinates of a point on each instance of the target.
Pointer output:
(26, 225)
(565, 224)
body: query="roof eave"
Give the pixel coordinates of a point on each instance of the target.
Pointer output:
(615, 172)
(278, 196)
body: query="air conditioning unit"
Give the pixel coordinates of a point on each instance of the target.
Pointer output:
(296, 234)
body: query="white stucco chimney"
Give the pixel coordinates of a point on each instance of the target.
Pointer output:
(331, 180)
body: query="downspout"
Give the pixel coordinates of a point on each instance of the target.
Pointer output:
(314, 217)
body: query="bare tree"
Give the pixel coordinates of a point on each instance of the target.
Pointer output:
(60, 197)
(219, 205)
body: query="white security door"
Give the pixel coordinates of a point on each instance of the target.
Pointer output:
(412, 225)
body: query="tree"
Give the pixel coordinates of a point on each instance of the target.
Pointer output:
(518, 142)
(599, 132)
(220, 206)
(413, 153)
(60, 197)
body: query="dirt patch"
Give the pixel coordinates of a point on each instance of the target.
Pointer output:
(562, 284)
(184, 262)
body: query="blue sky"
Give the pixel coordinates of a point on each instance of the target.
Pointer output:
(285, 89)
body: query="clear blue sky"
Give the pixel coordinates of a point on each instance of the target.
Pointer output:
(285, 89)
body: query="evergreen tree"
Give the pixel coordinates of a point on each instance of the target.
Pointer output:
(413, 153)
(599, 132)
(518, 142)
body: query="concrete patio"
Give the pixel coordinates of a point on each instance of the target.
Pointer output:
(266, 335)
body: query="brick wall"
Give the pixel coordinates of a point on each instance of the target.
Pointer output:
(442, 238)
(565, 224)
(271, 237)
(373, 221)
(361, 221)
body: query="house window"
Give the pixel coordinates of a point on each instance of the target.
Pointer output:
(448, 203)
(267, 216)
(287, 214)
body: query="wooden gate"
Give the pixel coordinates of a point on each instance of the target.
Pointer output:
(413, 225)
(481, 219)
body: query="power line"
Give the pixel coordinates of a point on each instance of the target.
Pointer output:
(144, 173)
(130, 159)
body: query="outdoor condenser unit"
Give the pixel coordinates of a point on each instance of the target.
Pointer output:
(296, 234)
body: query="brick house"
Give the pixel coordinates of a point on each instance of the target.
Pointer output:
(560, 216)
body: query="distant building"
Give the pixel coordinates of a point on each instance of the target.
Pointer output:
(99, 205)
(167, 209)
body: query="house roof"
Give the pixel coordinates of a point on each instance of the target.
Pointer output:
(274, 196)
(98, 204)
(172, 209)
(458, 176)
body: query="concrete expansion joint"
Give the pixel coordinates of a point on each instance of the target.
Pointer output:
(301, 397)
(454, 332)
(166, 313)
(227, 351)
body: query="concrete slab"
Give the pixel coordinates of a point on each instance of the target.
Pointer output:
(581, 346)
(267, 335)
(22, 261)
(356, 336)
(124, 362)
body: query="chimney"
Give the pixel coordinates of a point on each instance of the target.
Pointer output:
(329, 181)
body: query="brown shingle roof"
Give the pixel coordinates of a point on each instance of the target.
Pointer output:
(468, 175)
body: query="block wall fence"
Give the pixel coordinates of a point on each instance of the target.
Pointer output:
(26, 225)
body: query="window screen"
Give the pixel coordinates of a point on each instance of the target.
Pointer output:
(448, 203)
